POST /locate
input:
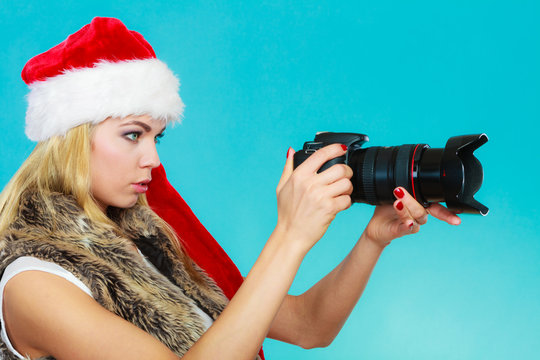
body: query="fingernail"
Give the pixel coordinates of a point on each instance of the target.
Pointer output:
(411, 226)
(344, 147)
(399, 193)
(289, 152)
(399, 206)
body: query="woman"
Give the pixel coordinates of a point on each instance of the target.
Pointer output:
(89, 271)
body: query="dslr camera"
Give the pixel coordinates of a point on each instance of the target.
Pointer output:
(451, 175)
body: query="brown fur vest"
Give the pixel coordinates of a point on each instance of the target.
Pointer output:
(158, 303)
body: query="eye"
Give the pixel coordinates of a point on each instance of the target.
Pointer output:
(133, 136)
(158, 137)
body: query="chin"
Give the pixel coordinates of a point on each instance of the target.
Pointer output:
(132, 204)
(126, 204)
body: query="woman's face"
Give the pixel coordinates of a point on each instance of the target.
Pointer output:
(122, 157)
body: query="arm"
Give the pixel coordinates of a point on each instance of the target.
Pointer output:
(314, 318)
(59, 319)
(307, 204)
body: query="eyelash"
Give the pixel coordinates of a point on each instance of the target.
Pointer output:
(157, 138)
(136, 133)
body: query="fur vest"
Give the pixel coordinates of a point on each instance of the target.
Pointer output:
(159, 303)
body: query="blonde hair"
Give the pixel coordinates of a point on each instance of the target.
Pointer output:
(61, 164)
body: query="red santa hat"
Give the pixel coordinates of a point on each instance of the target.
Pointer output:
(103, 70)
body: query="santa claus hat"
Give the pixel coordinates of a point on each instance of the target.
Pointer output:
(103, 70)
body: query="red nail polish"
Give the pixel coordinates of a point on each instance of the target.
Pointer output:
(288, 152)
(410, 226)
(399, 193)
(399, 206)
(344, 147)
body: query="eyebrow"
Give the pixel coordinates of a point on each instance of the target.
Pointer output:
(146, 127)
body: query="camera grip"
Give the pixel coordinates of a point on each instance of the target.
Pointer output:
(302, 155)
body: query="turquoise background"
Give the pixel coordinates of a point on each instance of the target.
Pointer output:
(260, 76)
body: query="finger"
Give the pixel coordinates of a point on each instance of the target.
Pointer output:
(405, 218)
(405, 229)
(442, 213)
(417, 212)
(315, 161)
(287, 170)
(343, 202)
(401, 227)
(338, 188)
(334, 173)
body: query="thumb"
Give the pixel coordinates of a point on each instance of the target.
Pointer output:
(287, 170)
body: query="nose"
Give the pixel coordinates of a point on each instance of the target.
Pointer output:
(150, 157)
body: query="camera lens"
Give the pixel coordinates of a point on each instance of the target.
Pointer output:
(452, 174)
(379, 170)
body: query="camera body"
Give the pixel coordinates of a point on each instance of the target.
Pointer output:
(452, 174)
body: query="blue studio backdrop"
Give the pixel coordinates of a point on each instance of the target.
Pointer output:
(260, 76)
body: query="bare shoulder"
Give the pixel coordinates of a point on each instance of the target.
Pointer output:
(48, 315)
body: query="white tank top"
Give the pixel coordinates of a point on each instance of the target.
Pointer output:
(28, 263)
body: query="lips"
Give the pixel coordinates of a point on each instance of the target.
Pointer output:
(141, 187)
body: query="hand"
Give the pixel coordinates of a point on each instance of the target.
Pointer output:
(308, 201)
(403, 218)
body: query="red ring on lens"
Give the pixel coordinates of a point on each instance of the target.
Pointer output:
(412, 172)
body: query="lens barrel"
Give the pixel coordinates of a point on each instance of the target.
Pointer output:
(379, 170)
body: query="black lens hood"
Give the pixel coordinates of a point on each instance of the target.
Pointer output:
(462, 173)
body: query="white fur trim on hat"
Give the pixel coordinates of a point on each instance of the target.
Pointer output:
(110, 89)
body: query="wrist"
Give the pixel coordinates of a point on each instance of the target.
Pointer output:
(285, 238)
(373, 242)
